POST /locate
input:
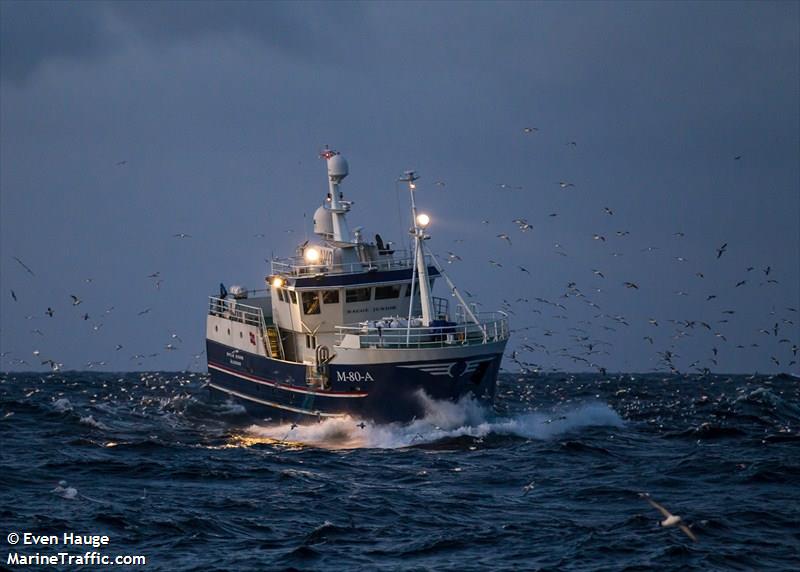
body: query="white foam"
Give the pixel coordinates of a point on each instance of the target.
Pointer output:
(62, 405)
(442, 420)
(92, 422)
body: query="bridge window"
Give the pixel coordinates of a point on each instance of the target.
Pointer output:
(310, 302)
(311, 342)
(330, 296)
(387, 292)
(358, 295)
(293, 296)
(280, 295)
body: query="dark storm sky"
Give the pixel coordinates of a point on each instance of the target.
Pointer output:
(219, 110)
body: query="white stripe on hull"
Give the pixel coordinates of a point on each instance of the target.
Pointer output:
(285, 387)
(272, 404)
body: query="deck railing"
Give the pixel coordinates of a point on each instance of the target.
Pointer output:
(234, 310)
(492, 327)
(297, 265)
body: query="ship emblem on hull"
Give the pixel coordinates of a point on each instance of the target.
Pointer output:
(453, 369)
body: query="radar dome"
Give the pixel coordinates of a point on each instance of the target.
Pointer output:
(323, 222)
(337, 167)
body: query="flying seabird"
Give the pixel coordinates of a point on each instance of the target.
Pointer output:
(721, 250)
(25, 266)
(75, 300)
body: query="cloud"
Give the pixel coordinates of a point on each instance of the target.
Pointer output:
(34, 33)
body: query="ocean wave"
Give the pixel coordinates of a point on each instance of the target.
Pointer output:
(442, 420)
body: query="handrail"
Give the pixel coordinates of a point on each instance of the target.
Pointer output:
(297, 265)
(234, 310)
(493, 327)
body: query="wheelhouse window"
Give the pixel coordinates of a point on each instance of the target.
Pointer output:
(293, 296)
(387, 292)
(358, 295)
(310, 302)
(330, 296)
(280, 295)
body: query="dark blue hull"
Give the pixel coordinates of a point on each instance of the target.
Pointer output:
(380, 392)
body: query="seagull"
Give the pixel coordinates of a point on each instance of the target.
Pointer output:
(523, 269)
(362, 425)
(143, 312)
(181, 235)
(631, 285)
(721, 250)
(14, 296)
(49, 311)
(25, 266)
(75, 300)
(530, 130)
(737, 158)
(528, 488)
(608, 211)
(121, 163)
(599, 237)
(493, 263)
(565, 184)
(740, 283)
(505, 237)
(439, 183)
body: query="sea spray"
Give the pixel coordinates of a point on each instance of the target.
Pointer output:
(442, 420)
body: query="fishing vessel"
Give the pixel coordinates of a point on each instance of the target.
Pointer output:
(350, 326)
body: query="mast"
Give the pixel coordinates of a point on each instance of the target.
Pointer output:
(337, 170)
(420, 221)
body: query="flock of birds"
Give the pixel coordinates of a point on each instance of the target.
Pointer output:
(96, 319)
(592, 336)
(588, 339)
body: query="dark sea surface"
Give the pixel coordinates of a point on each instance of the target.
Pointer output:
(195, 485)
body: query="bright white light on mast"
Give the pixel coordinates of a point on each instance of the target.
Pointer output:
(311, 255)
(423, 220)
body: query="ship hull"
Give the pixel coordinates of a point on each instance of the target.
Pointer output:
(382, 385)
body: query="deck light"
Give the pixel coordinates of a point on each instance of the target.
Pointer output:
(311, 255)
(423, 220)
(277, 282)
